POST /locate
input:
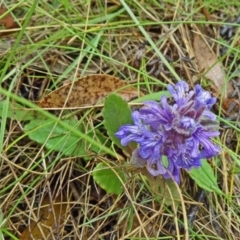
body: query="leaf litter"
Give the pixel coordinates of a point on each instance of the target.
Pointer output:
(88, 91)
(50, 218)
(209, 64)
(7, 22)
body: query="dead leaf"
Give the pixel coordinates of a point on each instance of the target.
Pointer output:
(207, 15)
(7, 21)
(88, 91)
(209, 64)
(51, 217)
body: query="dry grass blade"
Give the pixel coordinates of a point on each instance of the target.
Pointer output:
(88, 91)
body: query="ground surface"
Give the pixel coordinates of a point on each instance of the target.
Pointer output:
(46, 189)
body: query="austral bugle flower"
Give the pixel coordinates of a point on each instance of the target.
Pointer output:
(180, 132)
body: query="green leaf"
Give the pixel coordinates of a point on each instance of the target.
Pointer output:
(167, 191)
(108, 179)
(116, 113)
(1, 216)
(56, 138)
(18, 112)
(164, 190)
(152, 96)
(204, 177)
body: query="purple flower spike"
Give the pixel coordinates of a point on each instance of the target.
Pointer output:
(180, 133)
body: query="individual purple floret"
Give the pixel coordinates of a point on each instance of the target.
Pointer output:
(180, 132)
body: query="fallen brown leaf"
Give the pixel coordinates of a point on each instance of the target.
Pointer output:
(7, 21)
(88, 91)
(50, 223)
(207, 15)
(209, 64)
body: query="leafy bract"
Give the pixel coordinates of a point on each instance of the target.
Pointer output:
(116, 113)
(152, 96)
(204, 177)
(166, 191)
(111, 180)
